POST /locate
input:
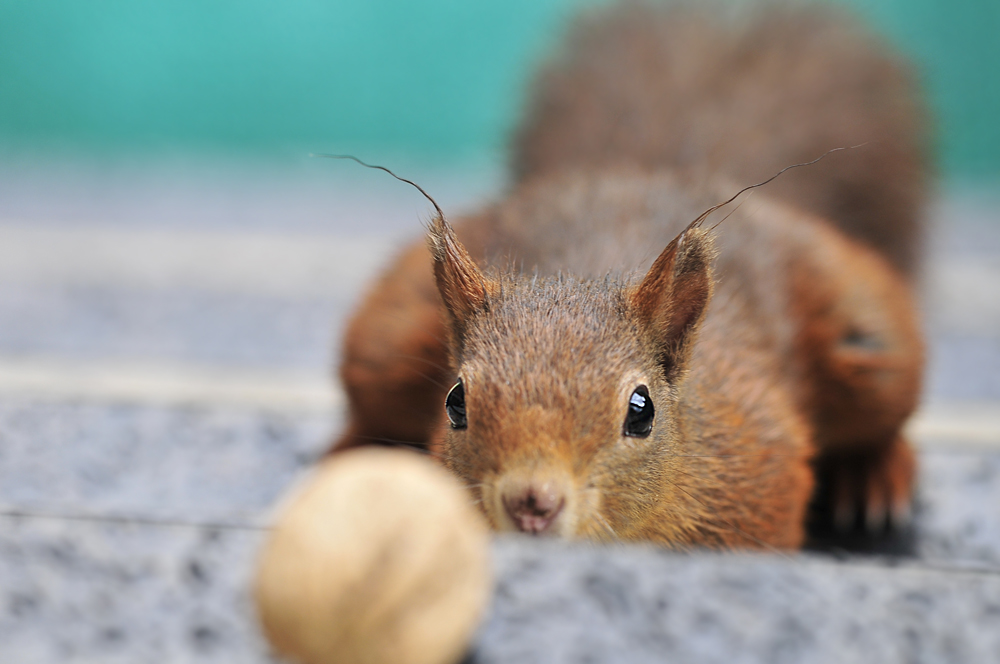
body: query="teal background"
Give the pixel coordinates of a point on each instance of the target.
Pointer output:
(437, 79)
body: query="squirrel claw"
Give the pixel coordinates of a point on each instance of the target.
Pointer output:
(876, 516)
(902, 513)
(844, 506)
(876, 512)
(879, 484)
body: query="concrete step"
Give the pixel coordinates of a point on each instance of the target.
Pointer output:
(135, 593)
(560, 604)
(129, 533)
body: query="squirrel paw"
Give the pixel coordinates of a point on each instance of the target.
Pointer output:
(876, 485)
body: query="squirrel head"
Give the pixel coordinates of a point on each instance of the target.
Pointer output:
(563, 417)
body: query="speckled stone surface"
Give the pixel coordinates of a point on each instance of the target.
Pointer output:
(194, 463)
(79, 591)
(170, 325)
(126, 593)
(76, 590)
(557, 604)
(959, 518)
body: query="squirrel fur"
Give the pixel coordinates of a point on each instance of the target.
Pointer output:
(779, 349)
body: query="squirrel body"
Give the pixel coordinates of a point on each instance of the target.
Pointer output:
(622, 373)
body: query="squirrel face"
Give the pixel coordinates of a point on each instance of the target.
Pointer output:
(563, 420)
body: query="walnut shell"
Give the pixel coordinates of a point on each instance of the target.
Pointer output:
(378, 558)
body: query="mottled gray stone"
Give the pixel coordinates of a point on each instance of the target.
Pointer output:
(120, 593)
(959, 508)
(95, 592)
(557, 604)
(235, 463)
(189, 463)
(170, 325)
(963, 367)
(84, 592)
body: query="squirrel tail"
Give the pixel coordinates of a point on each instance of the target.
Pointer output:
(743, 93)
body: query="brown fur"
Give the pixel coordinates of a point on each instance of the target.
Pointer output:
(714, 91)
(809, 342)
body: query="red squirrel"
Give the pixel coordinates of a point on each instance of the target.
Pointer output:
(591, 364)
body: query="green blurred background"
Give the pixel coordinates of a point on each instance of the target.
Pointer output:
(433, 79)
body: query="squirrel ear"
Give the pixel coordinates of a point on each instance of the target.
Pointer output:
(673, 296)
(463, 287)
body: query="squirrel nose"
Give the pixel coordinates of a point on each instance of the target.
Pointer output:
(534, 508)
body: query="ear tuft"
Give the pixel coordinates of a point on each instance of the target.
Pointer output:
(463, 287)
(671, 301)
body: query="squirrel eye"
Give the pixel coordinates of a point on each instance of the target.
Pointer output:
(639, 420)
(454, 405)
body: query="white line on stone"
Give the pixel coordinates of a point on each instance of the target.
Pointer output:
(940, 425)
(166, 384)
(957, 424)
(278, 264)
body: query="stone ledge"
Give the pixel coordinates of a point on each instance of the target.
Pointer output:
(114, 593)
(110, 592)
(556, 603)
